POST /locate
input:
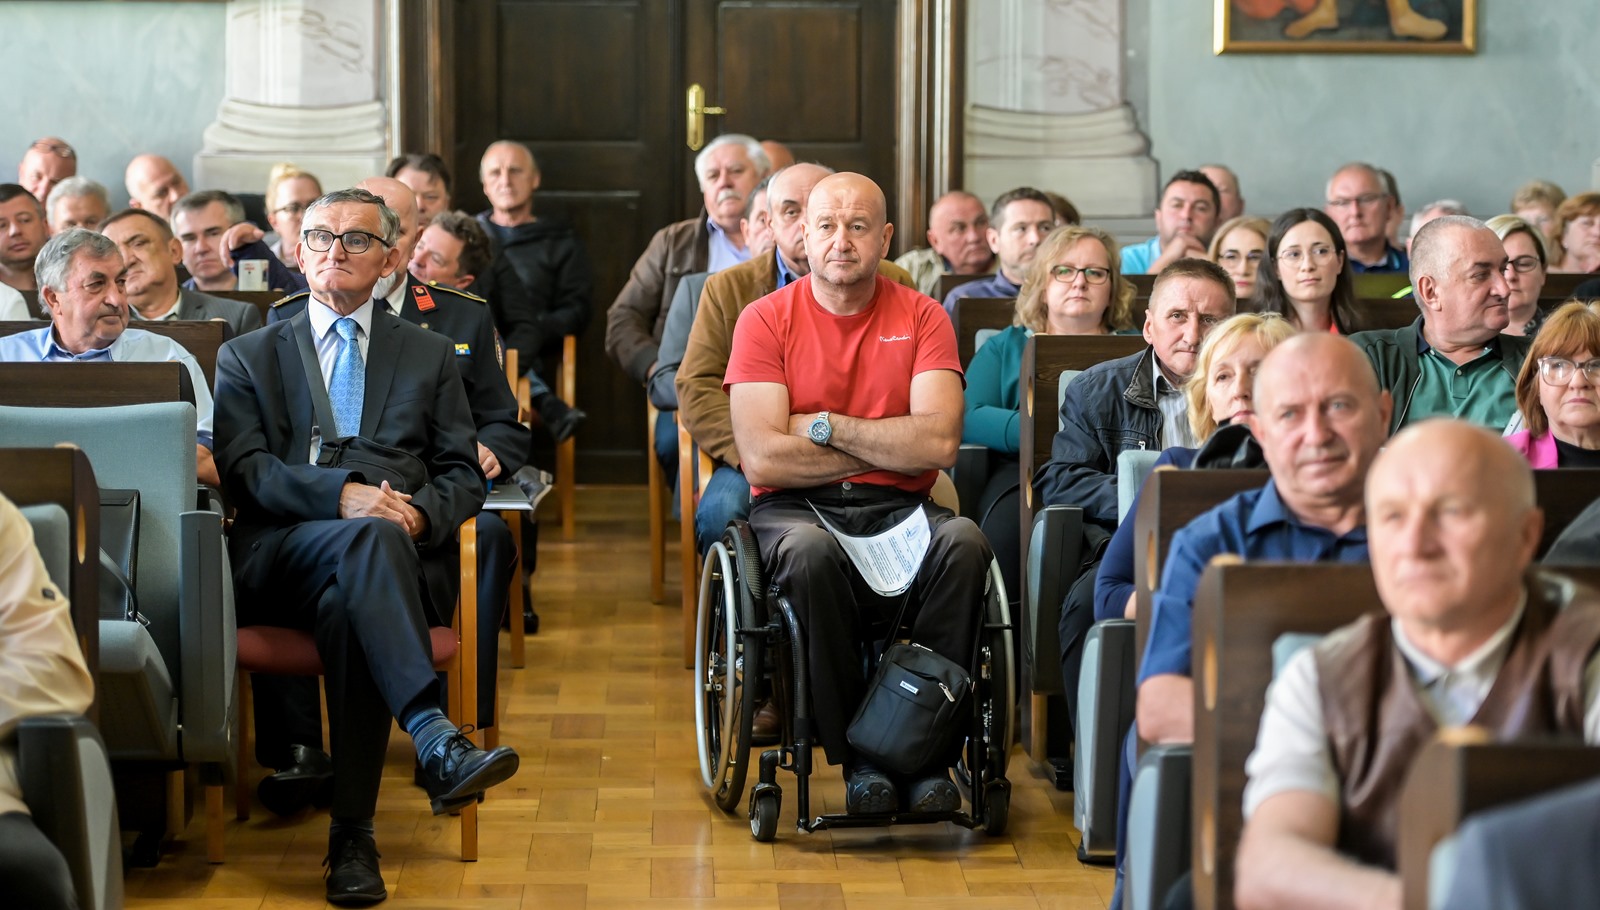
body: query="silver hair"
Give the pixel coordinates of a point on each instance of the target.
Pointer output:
(1435, 209)
(1379, 174)
(55, 259)
(76, 188)
(231, 206)
(388, 221)
(1431, 248)
(758, 155)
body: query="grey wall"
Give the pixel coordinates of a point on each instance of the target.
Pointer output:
(1473, 128)
(113, 79)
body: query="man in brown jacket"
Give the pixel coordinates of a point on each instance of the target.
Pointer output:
(1469, 636)
(702, 404)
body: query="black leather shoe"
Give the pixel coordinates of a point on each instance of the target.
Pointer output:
(457, 772)
(308, 780)
(353, 879)
(868, 791)
(567, 424)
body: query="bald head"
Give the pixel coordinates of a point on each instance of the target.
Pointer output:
(778, 154)
(155, 184)
(47, 162)
(847, 234)
(1326, 351)
(787, 193)
(1452, 526)
(509, 176)
(403, 202)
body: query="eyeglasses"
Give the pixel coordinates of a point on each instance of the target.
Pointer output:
(1523, 264)
(1365, 200)
(1234, 257)
(293, 208)
(1319, 255)
(1557, 370)
(354, 242)
(61, 149)
(1091, 275)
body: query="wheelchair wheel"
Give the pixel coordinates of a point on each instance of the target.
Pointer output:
(765, 805)
(726, 674)
(996, 809)
(999, 665)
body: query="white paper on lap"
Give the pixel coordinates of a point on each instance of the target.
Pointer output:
(889, 560)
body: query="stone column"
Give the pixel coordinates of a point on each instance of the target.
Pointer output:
(305, 83)
(1047, 106)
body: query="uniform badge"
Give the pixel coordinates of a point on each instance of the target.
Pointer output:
(463, 350)
(424, 299)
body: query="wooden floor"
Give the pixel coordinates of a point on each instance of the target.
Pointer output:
(608, 810)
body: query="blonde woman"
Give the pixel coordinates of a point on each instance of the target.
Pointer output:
(1239, 246)
(289, 191)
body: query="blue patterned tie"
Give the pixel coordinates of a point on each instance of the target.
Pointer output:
(348, 384)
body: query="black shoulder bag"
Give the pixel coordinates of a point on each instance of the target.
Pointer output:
(913, 704)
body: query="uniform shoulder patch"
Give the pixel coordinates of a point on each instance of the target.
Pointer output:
(291, 298)
(463, 349)
(456, 292)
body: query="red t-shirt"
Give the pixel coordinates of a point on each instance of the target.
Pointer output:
(859, 366)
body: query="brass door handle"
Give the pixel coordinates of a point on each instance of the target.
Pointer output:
(696, 124)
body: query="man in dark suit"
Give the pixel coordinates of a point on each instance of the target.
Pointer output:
(286, 709)
(153, 255)
(363, 565)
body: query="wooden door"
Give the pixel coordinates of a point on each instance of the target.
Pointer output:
(596, 88)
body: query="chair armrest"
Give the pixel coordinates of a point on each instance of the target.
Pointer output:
(1158, 825)
(208, 638)
(970, 473)
(65, 777)
(1105, 714)
(1055, 548)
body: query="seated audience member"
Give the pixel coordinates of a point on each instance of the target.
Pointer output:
(1239, 247)
(1135, 402)
(81, 285)
(778, 154)
(1431, 211)
(1397, 211)
(1073, 287)
(453, 251)
(1530, 854)
(831, 420)
(703, 403)
(23, 232)
(43, 673)
(154, 183)
(1525, 274)
(1230, 202)
(1575, 237)
(1536, 202)
(13, 307)
(428, 177)
(543, 250)
(1305, 276)
(76, 202)
(1453, 359)
(756, 225)
(152, 255)
(289, 191)
(47, 162)
(958, 242)
(1185, 220)
(201, 222)
(375, 565)
(1221, 394)
(1320, 418)
(1018, 222)
(1558, 391)
(1362, 205)
(1066, 212)
(1467, 635)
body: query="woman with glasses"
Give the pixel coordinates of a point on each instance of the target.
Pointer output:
(1239, 246)
(1558, 391)
(1073, 287)
(1306, 276)
(1575, 237)
(289, 191)
(1525, 271)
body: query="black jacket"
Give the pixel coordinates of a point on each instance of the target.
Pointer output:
(552, 269)
(1108, 408)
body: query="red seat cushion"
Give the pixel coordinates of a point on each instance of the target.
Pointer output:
(291, 652)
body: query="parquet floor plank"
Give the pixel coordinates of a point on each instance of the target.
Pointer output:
(607, 809)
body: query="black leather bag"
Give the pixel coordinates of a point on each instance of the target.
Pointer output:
(373, 463)
(913, 705)
(119, 554)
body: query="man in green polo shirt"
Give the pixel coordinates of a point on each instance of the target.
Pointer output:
(1453, 360)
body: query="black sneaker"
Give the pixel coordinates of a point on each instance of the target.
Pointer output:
(457, 772)
(935, 793)
(868, 791)
(353, 878)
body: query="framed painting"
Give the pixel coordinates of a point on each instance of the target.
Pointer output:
(1346, 26)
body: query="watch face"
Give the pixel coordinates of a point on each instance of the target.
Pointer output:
(820, 431)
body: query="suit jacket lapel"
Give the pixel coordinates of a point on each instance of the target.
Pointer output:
(188, 307)
(383, 352)
(296, 397)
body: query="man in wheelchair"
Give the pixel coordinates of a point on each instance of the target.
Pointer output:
(846, 399)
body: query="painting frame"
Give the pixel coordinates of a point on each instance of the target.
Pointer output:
(1237, 32)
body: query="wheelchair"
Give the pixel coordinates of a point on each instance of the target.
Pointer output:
(748, 645)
